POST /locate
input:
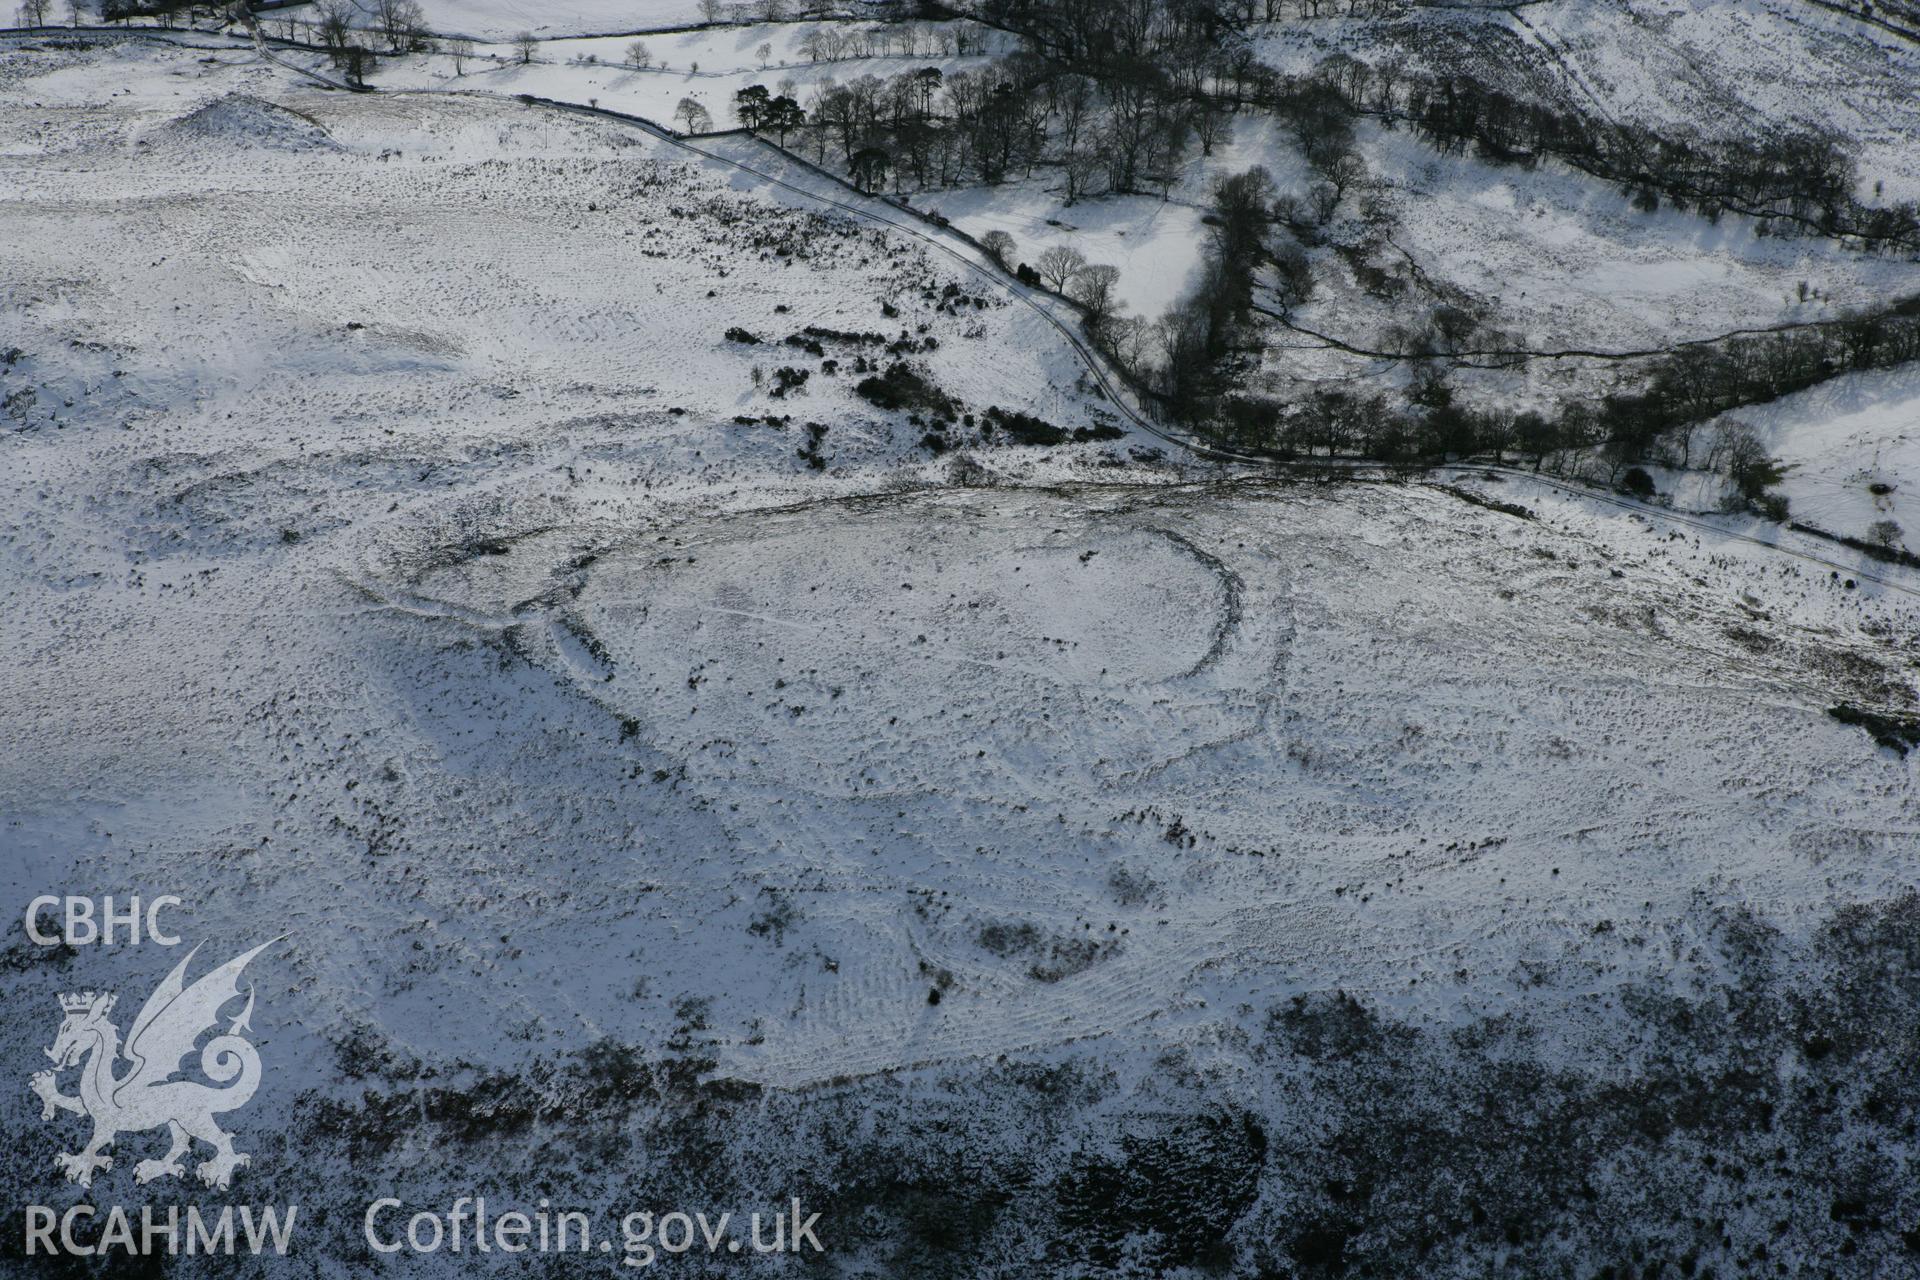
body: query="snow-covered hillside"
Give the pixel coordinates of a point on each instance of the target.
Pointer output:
(707, 65)
(1713, 66)
(1555, 259)
(723, 704)
(1849, 452)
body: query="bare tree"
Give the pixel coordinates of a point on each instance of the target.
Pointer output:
(33, 13)
(333, 19)
(1060, 264)
(693, 116)
(1324, 200)
(402, 22)
(1072, 102)
(1293, 276)
(1128, 341)
(354, 61)
(1212, 126)
(460, 49)
(1751, 469)
(638, 55)
(1737, 448)
(1080, 165)
(1884, 533)
(868, 168)
(1092, 287)
(526, 46)
(1000, 247)
(1342, 173)
(710, 10)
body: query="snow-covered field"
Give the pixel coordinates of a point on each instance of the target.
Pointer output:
(504, 19)
(1567, 262)
(708, 66)
(1692, 62)
(1851, 448)
(406, 550)
(1157, 244)
(552, 19)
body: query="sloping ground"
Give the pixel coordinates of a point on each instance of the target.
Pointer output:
(1114, 867)
(1073, 758)
(1551, 260)
(1711, 66)
(708, 66)
(1850, 449)
(1562, 261)
(1718, 65)
(495, 252)
(240, 121)
(1559, 259)
(263, 357)
(89, 91)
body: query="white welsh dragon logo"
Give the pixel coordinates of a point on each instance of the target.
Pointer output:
(147, 1096)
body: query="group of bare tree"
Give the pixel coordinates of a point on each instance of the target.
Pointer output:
(356, 33)
(1201, 54)
(1656, 418)
(1799, 181)
(166, 12)
(928, 129)
(834, 42)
